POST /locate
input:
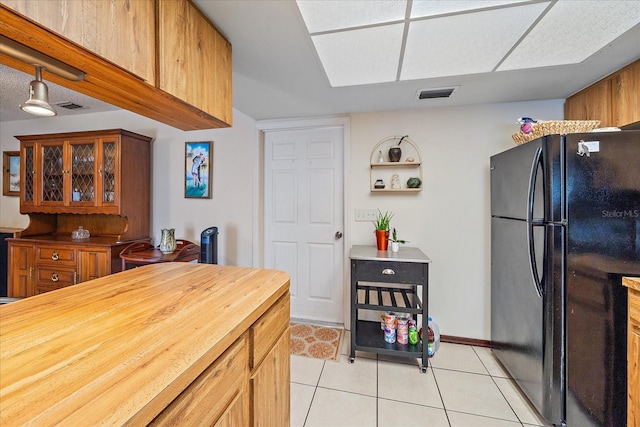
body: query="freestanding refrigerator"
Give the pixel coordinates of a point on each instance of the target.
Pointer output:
(565, 229)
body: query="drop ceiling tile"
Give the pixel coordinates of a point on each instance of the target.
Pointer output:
(420, 8)
(465, 44)
(362, 56)
(572, 31)
(331, 15)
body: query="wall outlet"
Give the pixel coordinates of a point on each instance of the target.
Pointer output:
(366, 215)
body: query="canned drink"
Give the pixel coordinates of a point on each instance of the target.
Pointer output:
(390, 335)
(413, 335)
(402, 338)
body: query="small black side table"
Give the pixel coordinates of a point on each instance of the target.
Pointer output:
(406, 274)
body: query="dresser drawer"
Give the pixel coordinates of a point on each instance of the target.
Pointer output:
(389, 271)
(54, 277)
(55, 254)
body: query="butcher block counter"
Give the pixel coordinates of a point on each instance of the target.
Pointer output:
(163, 344)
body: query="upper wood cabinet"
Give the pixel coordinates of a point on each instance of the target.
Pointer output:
(121, 31)
(94, 172)
(160, 59)
(194, 59)
(612, 100)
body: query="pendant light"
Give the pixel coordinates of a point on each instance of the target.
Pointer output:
(38, 103)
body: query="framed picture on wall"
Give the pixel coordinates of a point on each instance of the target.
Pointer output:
(11, 173)
(198, 169)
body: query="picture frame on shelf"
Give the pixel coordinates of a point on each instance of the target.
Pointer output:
(198, 169)
(11, 173)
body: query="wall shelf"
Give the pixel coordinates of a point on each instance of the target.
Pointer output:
(386, 169)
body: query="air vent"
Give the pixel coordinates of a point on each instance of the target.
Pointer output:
(69, 105)
(436, 93)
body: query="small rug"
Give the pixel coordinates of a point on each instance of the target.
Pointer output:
(319, 342)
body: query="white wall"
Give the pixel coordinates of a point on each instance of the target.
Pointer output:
(450, 219)
(231, 206)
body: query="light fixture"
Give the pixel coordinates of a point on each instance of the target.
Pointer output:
(38, 103)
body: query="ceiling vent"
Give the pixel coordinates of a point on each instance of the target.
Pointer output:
(436, 93)
(69, 105)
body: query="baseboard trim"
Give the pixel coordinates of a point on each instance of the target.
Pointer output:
(466, 341)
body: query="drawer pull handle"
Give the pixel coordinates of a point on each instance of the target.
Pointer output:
(388, 271)
(55, 256)
(54, 277)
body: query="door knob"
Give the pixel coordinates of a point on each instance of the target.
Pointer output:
(338, 235)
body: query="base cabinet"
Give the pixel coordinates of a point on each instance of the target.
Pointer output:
(37, 268)
(270, 386)
(633, 352)
(247, 386)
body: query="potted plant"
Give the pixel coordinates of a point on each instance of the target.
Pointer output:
(395, 242)
(381, 225)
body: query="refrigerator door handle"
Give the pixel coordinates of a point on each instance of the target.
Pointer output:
(531, 222)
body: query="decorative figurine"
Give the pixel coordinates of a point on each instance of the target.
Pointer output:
(395, 181)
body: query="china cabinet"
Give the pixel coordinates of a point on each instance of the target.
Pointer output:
(384, 172)
(98, 180)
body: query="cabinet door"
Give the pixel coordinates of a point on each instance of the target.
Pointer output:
(593, 103)
(92, 263)
(633, 360)
(50, 163)
(192, 50)
(625, 99)
(108, 173)
(21, 270)
(27, 176)
(119, 30)
(270, 386)
(82, 171)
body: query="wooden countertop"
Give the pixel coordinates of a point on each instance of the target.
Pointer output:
(117, 349)
(631, 282)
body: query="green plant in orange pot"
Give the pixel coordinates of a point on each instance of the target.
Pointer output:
(381, 225)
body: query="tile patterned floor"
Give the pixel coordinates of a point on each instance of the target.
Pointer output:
(464, 387)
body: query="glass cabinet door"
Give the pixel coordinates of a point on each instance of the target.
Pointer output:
(52, 173)
(108, 172)
(82, 172)
(29, 174)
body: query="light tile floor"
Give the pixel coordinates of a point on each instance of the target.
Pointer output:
(463, 387)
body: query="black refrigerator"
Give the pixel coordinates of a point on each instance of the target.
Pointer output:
(565, 229)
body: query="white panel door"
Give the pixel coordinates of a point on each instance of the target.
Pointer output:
(304, 217)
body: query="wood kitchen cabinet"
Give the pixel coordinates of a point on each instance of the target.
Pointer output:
(121, 31)
(612, 100)
(39, 265)
(94, 172)
(147, 56)
(99, 180)
(270, 376)
(633, 352)
(194, 55)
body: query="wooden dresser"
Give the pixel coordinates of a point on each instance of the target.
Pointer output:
(163, 344)
(633, 351)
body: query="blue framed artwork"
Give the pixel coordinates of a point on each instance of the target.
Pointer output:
(198, 168)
